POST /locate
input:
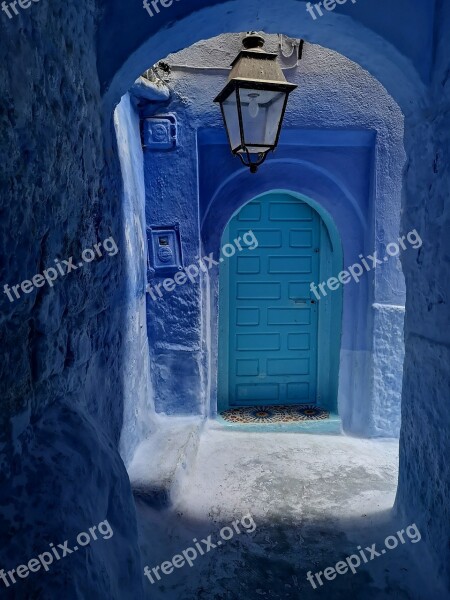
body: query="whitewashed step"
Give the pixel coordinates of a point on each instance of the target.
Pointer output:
(161, 462)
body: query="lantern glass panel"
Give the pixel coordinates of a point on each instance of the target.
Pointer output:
(262, 111)
(231, 118)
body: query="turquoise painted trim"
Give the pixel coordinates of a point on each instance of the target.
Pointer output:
(224, 311)
(330, 312)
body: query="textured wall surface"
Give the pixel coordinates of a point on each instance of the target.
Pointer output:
(60, 372)
(388, 368)
(174, 321)
(424, 481)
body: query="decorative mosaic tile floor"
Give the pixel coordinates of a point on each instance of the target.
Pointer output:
(275, 414)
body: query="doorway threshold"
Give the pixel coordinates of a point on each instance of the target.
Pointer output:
(329, 426)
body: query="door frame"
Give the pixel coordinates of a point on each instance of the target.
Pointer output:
(329, 312)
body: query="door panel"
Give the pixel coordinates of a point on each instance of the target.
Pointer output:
(273, 323)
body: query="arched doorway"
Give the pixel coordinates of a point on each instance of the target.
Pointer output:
(278, 343)
(399, 74)
(409, 62)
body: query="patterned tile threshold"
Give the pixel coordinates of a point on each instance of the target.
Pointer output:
(275, 414)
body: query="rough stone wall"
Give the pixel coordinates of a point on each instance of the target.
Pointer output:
(61, 387)
(424, 487)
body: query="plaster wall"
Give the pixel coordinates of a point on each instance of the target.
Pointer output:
(174, 321)
(138, 400)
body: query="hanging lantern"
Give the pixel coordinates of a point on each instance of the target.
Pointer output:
(253, 102)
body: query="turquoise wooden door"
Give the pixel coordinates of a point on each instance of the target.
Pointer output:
(272, 315)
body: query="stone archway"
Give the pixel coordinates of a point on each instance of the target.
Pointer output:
(394, 70)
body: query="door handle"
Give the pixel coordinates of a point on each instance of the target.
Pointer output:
(303, 301)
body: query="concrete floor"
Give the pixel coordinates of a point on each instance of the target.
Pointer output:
(314, 499)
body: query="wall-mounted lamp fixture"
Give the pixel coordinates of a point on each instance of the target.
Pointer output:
(253, 102)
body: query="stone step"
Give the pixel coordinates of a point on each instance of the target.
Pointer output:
(161, 462)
